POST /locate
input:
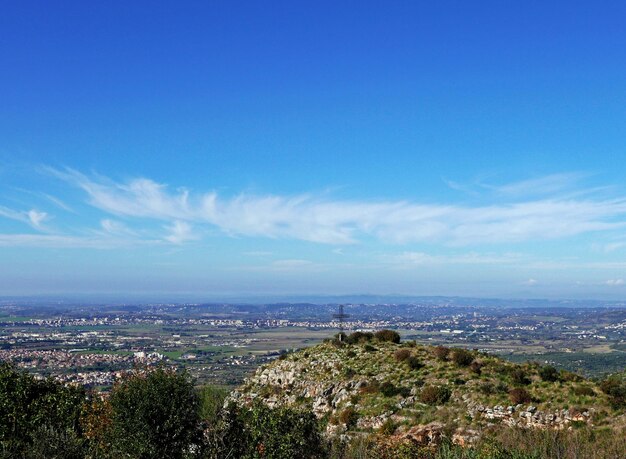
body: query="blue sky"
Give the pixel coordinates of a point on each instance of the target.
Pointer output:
(214, 148)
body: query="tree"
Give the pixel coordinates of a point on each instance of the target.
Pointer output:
(435, 395)
(549, 373)
(441, 352)
(615, 387)
(462, 357)
(154, 414)
(519, 395)
(31, 407)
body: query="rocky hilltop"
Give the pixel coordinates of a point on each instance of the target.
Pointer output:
(373, 383)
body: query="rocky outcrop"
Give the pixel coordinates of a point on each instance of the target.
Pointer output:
(529, 416)
(384, 394)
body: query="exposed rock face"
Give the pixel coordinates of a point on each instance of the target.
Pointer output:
(423, 435)
(518, 416)
(288, 382)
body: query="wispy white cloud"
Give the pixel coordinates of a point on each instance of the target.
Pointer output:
(115, 227)
(31, 217)
(530, 282)
(180, 232)
(547, 184)
(615, 282)
(324, 220)
(12, 214)
(56, 201)
(36, 218)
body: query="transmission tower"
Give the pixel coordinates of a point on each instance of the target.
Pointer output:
(340, 316)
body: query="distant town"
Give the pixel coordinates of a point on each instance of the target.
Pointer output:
(93, 344)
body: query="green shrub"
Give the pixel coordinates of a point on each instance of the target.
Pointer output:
(359, 337)
(388, 428)
(388, 389)
(369, 348)
(262, 432)
(441, 352)
(549, 373)
(583, 391)
(615, 387)
(402, 354)
(476, 367)
(31, 409)
(435, 395)
(462, 357)
(349, 417)
(414, 363)
(519, 377)
(154, 414)
(519, 395)
(389, 336)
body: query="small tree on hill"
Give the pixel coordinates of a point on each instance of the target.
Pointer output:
(549, 373)
(615, 387)
(519, 395)
(435, 395)
(462, 357)
(441, 352)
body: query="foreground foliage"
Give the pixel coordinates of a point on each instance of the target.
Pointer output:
(158, 413)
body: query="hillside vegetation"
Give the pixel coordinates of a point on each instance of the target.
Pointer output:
(365, 396)
(373, 386)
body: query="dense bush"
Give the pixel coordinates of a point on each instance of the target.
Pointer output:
(519, 376)
(402, 354)
(32, 409)
(615, 387)
(519, 395)
(476, 367)
(154, 414)
(462, 357)
(414, 363)
(280, 433)
(389, 389)
(370, 387)
(549, 373)
(435, 395)
(359, 337)
(390, 336)
(584, 391)
(441, 352)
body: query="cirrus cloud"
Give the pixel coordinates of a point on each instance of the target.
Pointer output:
(324, 220)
